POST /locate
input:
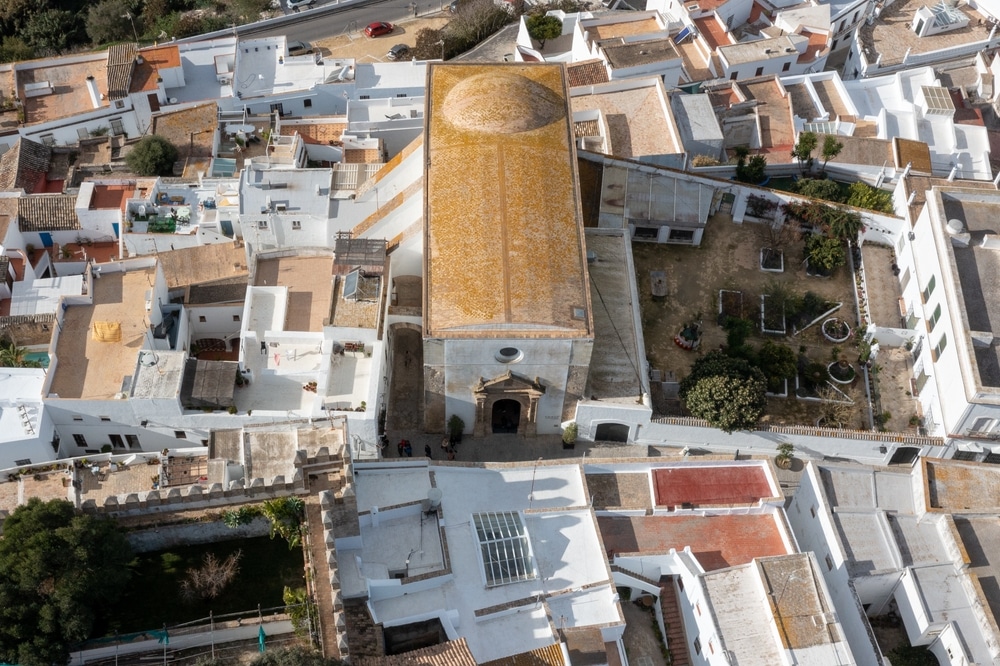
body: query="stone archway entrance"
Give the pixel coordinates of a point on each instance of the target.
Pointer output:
(506, 416)
(493, 405)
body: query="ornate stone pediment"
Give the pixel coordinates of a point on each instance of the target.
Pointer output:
(508, 381)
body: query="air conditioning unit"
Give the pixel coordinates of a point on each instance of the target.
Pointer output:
(281, 208)
(768, 51)
(693, 7)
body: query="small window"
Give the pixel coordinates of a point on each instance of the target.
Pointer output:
(180, 434)
(116, 441)
(579, 313)
(279, 108)
(787, 66)
(940, 347)
(983, 426)
(296, 225)
(77, 418)
(733, 76)
(105, 418)
(812, 511)
(80, 440)
(934, 318)
(760, 71)
(829, 563)
(697, 608)
(697, 645)
(132, 441)
(680, 583)
(22, 462)
(929, 289)
(262, 224)
(965, 455)
(855, 19)
(202, 319)
(400, 95)
(236, 317)
(364, 96)
(509, 355)
(307, 103)
(833, 47)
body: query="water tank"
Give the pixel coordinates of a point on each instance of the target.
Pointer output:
(591, 256)
(955, 226)
(434, 496)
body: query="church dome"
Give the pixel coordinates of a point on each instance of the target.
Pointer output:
(515, 104)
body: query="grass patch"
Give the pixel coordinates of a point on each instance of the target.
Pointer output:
(155, 596)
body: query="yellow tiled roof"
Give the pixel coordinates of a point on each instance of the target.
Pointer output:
(503, 227)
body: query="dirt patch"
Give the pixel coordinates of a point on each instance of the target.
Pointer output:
(729, 259)
(642, 645)
(352, 43)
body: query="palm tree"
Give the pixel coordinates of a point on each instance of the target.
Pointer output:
(12, 356)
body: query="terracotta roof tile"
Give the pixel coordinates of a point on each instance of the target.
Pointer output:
(121, 61)
(586, 73)
(550, 655)
(47, 212)
(708, 486)
(325, 132)
(452, 653)
(24, 166)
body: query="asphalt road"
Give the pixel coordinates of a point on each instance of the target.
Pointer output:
(323, 21)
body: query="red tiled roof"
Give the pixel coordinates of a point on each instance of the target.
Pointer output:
(717, 541)
(817, 44)
(586, 73)
(706, 486)
(714, 34)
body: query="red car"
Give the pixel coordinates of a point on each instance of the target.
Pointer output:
(378, 29)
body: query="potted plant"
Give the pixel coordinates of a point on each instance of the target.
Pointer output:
(569, 435)
(784, 457)
(456, 426)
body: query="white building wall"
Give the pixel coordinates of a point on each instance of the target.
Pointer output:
(809, 517)
(219, 322)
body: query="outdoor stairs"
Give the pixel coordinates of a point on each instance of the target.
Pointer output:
(673, 622)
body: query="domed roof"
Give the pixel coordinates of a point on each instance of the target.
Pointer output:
(516, 104)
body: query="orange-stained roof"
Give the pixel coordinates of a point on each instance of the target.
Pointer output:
(154, 59)
(503, 226)
(817, 44)
(712, 31)
(718, 541)
(111, 196)
(707, 486)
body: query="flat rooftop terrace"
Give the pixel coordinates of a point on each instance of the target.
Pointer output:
(89, 369)
(961, 487)
(68, 84)
(310, 288)
(718, 541)
(698, 485)
(891, 36)
(636, 120)
(978, 270)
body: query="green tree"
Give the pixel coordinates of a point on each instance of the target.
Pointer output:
(428, 44)
(750, 170)
(300, 609)
(863, 195)
(906, 655)
(293, 656)
(716, 363)
(152, 156)
(777, 362)
(825, 253)
(831, 148)
(542, 28)
(285, 514)
(14, 48)
(52, 31)
(728, 403)
(59, 572)
(12, 356)
(15, 14)
(247, 11)
(803, 149)
(819, 188)
(107, 21)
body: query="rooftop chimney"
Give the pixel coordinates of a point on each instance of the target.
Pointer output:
(95, 95)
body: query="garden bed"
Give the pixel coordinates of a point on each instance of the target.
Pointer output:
(156, 596)
(772, 260)
(772, 318)
(730, 305)
(836, 330)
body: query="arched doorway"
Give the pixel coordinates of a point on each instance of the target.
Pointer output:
(506, 416)
(612, 432)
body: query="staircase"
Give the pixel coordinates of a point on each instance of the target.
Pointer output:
(673, 623)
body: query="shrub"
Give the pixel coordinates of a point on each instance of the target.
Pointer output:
(819, 188)
(728, 403)
(862, 195)
(825, 254)
(542, 28)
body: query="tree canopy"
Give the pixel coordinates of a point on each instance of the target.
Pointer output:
(542, 27)
(59, 571)
(152, 156)
(727, 392)
(803, 149)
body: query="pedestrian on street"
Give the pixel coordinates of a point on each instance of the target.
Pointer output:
(407, 448)
(400, 447)
(427, 450)
(451, 453)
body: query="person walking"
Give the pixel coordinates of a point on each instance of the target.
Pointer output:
(400, 447)
(427, 450)
(407, 448)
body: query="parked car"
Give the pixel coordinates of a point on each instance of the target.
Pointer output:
(398, 52)
(378, 29)
(295, 4)
(297, 48)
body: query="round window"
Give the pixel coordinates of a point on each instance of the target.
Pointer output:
(509, 355)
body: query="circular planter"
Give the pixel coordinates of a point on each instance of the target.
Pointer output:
(841, 375)
(783, 462)
(835, 325)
